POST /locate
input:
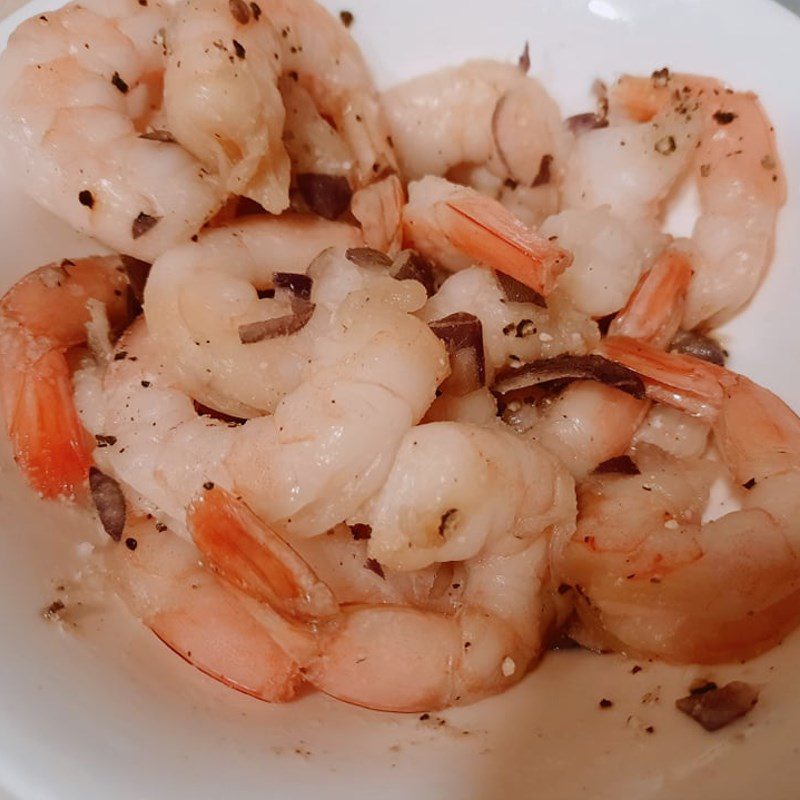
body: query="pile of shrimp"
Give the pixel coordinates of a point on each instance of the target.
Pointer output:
(381, 393)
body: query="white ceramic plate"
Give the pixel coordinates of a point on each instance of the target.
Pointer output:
(104, 710)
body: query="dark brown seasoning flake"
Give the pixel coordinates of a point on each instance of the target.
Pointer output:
(53, 611)
(517, 292)
(347, 18)
(705, 170)
(131, 543)
(105, 441)
(636, 668)
(299, 285)
(375, 566)
(543, 176)
(462, 335)
(86, 198)
(666, 145)
(660, 77)
(700, 346)
(724, 117)
(749, 484)
(109, 502)
(367, 257)
(160, 527)
(623, 465)
(589, 121)
(256, 9)
(563, 588)
(411, 266)
(142, 224)
(715, 708)
(205, 411)
(525, 59)
(447, 521)
(253, 332)
(208, 485)
(360, 531)
(159, 136)
(119, 83)
(326, 195)
(239, 11)
(606, 703)
(239, 49)
(565, 368)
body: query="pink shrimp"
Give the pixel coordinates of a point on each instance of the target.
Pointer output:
(41, 318)
(388, 657)
(650, 577)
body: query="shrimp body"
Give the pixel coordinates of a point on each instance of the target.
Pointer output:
(651, 578)
(740, 181)
(513, 123)
(388, 657)
(456, 490)
(458, 227)
(49, 443)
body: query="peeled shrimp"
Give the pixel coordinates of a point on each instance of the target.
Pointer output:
(389, 657)
(458, 227)
(456, 490)
(740, 180)
(41, 318)
(198, 295)
(650, 578)
(321, 56)
(78, 90)
(513, 148)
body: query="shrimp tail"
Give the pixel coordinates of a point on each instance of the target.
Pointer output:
(50, 445)
(654, 311)
(484, 230)
(255, 559)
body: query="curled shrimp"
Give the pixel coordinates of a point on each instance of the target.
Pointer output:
(650, 577)
(199, 295)
(137, 140)
(388, 657)
(740, 181)
(42, 317)
(458, 227)
(513, 149)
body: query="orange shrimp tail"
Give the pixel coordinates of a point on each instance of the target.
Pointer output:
(484, 230)
(248, 554)
(50, 445)
(683, 382)
(655, 308)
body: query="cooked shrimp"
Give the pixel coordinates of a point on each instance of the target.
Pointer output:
(221, 97)
(199, 295)
(513, 332)
(195, 614)
(456, 490)
(379, 209)
(673, 431)
(331, 440)
(389, 657)
(41, 318)
(322, 57)
(655, 308)
(73, 120)
(514, 129)
(609, 256)
(458, 227)
(650, 578)
(632, 166)
(740, 181)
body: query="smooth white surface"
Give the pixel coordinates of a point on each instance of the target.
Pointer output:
(106, 711)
